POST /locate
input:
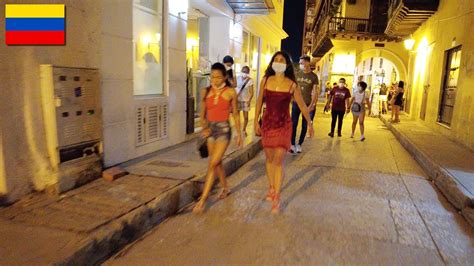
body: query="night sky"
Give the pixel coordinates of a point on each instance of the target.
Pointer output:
(293, 24)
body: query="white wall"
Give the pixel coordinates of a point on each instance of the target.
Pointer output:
(26, 163)
(219, 38)
(119, 101)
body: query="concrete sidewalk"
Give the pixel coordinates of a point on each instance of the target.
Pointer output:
(88, 224)
(449, 164)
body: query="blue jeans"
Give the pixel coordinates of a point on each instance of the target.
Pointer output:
(295, 117)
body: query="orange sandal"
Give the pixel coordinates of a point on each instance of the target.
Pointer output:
(271, 194)
(199, 207)
(276, 204)
(224, 193)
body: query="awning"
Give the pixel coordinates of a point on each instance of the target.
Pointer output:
(246, 7)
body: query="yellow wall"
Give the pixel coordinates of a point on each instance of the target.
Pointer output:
(453, 21)
(192, 44)
(358, 51)
(360, 10)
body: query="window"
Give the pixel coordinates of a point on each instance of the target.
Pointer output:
(448, 93)
(147, 36)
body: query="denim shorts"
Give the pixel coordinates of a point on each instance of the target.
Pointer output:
(220, 131)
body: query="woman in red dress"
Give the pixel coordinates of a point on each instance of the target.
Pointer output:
(278, 86)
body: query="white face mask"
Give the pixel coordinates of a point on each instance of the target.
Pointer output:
(302, 67)
(245, 75)
(278, 67)
(228, 68)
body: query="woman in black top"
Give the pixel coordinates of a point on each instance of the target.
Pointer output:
(398, 101)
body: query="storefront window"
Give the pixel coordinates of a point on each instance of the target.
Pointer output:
(147, 40)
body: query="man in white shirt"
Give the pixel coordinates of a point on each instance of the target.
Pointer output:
(245, 94)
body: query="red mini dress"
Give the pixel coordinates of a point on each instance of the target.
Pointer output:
(276, 121)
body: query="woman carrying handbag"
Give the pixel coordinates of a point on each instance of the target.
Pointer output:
(216, 104)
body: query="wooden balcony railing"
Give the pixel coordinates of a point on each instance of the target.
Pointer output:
(353, 25)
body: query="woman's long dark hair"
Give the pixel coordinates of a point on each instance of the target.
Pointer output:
(221, 68)
(289, 72)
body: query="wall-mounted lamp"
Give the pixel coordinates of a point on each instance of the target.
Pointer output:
(409, 43)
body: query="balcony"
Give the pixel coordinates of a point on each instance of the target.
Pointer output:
(345, 28)
(405, 16)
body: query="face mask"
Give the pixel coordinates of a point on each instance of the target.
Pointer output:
(279, 67)
(302, 67)
(228, 68)
(245, 75)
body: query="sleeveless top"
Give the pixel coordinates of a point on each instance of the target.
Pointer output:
(277, 113)
(399, 99)
(217, 108)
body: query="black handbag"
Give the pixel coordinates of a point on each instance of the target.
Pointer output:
(202, 147)
(202, 141)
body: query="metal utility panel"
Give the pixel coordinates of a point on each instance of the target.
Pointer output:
(77, 96)
(72, 115)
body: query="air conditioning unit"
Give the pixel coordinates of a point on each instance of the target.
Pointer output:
(72, 115)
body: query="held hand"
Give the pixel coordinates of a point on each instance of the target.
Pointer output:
(311, 131)
(238, 141)
(348, 110)
(206, 133)
(311, 107)
(258, 130)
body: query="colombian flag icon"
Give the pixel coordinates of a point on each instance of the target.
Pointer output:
(36, 24)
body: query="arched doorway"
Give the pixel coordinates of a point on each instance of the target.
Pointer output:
(377, 70)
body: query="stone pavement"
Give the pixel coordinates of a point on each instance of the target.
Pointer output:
(449, 164)
(88, 224)
(344, 202)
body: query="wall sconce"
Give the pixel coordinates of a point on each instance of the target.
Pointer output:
(409, 43)
(147, 40)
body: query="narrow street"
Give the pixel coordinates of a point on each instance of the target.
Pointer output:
(343, 202)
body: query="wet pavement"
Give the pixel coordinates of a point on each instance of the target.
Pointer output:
(343, 202)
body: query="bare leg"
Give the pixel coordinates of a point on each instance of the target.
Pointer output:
(354, 124)
(246, 121)
(361, 125)
(278, 162)
(217, 150)
(397, 113)
(270, 154)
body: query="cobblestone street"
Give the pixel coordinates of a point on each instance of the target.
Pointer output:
(343, 202)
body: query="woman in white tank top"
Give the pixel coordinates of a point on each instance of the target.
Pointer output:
(358, 101)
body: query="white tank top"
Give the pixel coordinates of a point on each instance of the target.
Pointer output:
(360, 97)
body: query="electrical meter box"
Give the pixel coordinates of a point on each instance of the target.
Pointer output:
(73, 123)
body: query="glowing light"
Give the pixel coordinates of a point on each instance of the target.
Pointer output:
(268, 58)
(344, 63)
(190, 43)
(255, 60)
(179, 8)
(146, 39)
(409, 43)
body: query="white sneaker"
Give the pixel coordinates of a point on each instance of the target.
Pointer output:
(292, 149)
(298, 149)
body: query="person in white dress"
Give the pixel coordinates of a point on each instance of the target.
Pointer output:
(359, 99)
(374, 111)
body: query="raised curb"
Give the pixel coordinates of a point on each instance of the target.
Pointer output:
(107, 240)
(445, 182)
